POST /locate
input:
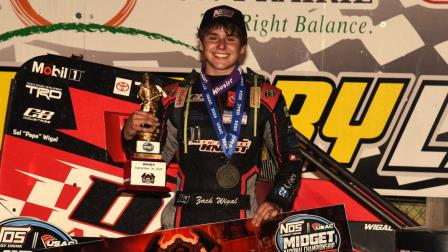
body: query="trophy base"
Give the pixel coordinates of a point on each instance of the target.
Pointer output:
(145, 173)
(147, 156)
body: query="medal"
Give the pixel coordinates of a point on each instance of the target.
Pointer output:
(227, 176)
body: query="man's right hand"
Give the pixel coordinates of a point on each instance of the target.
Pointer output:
(139, 121)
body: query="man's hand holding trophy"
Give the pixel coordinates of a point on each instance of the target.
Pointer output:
(146, 170)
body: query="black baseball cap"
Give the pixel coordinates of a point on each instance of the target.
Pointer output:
(223, 13)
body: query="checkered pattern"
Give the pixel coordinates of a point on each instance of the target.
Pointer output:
(54, 199)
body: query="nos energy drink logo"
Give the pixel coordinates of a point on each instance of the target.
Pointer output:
(26, 234)
(300, 233)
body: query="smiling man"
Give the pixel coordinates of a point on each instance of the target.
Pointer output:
(217, 121)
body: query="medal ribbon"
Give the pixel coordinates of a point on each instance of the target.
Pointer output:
(223, 85)
(228, 141)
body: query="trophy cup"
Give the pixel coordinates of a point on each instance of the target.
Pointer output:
(146, 170)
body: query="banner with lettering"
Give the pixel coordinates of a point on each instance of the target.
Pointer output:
(322, 229)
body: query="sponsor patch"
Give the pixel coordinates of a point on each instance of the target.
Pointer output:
(182, 198)
(269, 93)
(254, 100)
(282, 192)
(210, 145)
(285, 109)
(293, 157)
(170, 92)
(194, 133)
(196, 98)
(230, 99)
(180, 97)
(227, 117)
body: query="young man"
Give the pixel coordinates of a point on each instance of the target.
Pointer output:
(217, 121)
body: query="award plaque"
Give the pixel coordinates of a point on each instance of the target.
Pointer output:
(146, 170)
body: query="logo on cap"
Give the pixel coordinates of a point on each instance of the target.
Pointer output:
(223, 13)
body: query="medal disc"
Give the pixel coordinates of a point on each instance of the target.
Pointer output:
(227, 176)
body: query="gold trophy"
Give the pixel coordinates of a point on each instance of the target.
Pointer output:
(146, 170)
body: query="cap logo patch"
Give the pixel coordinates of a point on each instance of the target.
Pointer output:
(223, 13)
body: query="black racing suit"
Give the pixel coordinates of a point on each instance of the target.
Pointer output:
(200, 198)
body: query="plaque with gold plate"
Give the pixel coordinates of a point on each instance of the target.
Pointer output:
(146, 170)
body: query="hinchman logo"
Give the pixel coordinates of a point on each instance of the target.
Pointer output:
(55, 71)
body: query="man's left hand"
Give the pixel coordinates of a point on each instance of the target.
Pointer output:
(266, 211)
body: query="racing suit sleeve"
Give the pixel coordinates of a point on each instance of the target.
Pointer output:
(170, 144)
(281, 142)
